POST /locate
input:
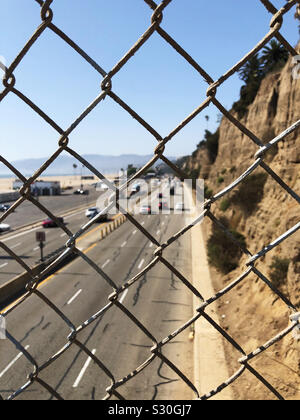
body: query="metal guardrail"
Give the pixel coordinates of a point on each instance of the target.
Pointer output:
(10, 88)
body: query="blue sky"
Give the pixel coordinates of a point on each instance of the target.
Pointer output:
(156, 82)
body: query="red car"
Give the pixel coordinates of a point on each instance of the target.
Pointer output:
(162, 206)
(49, 223)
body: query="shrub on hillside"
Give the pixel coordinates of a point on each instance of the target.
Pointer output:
(279, 270)
(223, 253)
(250, 192)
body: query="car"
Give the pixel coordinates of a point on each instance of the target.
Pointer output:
(162, 206)
(91, 211)
(101, 186)
(180, 207)
(4, 227)
(145, 209)
(81, 192)
(94, 213)
(160, 195)
(4, 207)
(49, 223)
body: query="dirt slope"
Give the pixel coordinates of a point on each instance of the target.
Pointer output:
(252, 314)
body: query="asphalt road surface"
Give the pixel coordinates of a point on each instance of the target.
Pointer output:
(159, 300)
(28, 213)
(25, 246)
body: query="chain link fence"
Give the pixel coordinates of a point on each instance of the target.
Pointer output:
(10, 88)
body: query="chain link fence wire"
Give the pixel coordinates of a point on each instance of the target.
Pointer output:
(10, 88)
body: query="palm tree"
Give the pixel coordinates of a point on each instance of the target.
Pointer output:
(252, 70)
(274, 56)
(207, 119)
(297, 14)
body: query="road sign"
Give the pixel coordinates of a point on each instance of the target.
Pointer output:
(41, 236)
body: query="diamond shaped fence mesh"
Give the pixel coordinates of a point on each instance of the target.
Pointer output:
(157, 12)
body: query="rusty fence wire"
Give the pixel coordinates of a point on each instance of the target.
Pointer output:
(10, 88)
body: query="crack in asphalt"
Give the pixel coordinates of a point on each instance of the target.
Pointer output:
(139, 289)
(32, 329)
(166, 382)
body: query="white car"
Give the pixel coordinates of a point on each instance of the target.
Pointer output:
(180, 207)
(91, 211)
(4, 228)
(101, 186)
(145, 209)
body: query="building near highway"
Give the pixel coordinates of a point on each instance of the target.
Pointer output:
(41, 188)
(8, 196)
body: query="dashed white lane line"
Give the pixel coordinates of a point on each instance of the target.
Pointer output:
(16, 246)
(141, 264)
(36, 248)
(123, 296)
(12, 363)
(105, 264)
(84, 369)
(124, 244)
(151, 245)
(3, 265)
(74, 297)
(134, 232)
(20, 234)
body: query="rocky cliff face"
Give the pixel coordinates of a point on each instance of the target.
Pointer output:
(252, 313)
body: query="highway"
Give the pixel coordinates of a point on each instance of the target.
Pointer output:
(158, 300)
(28, 213)
(24, 244)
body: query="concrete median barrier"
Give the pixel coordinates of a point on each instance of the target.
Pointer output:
(16, 287)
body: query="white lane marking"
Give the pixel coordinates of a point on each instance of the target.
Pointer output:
(36, 248)
(21, 234)
(124, 244)
(15, 246)
(123, 296)
(3, 265)
(105, 264)
(163, 224)
(151, 245)
(12, 363)
(142, 224)
(134, 232)
(84, 369)
(36, 228)
(158, 232)
(74, 297)
(141, 264)
(63, 234)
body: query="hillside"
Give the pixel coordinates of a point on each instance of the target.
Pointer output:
(258, 212)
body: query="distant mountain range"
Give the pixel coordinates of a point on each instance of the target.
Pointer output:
(63, 165)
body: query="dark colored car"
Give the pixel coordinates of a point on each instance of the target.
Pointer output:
(4, 207)
(160, 195)
(49, 223)
(103, 218)
(81, 192)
